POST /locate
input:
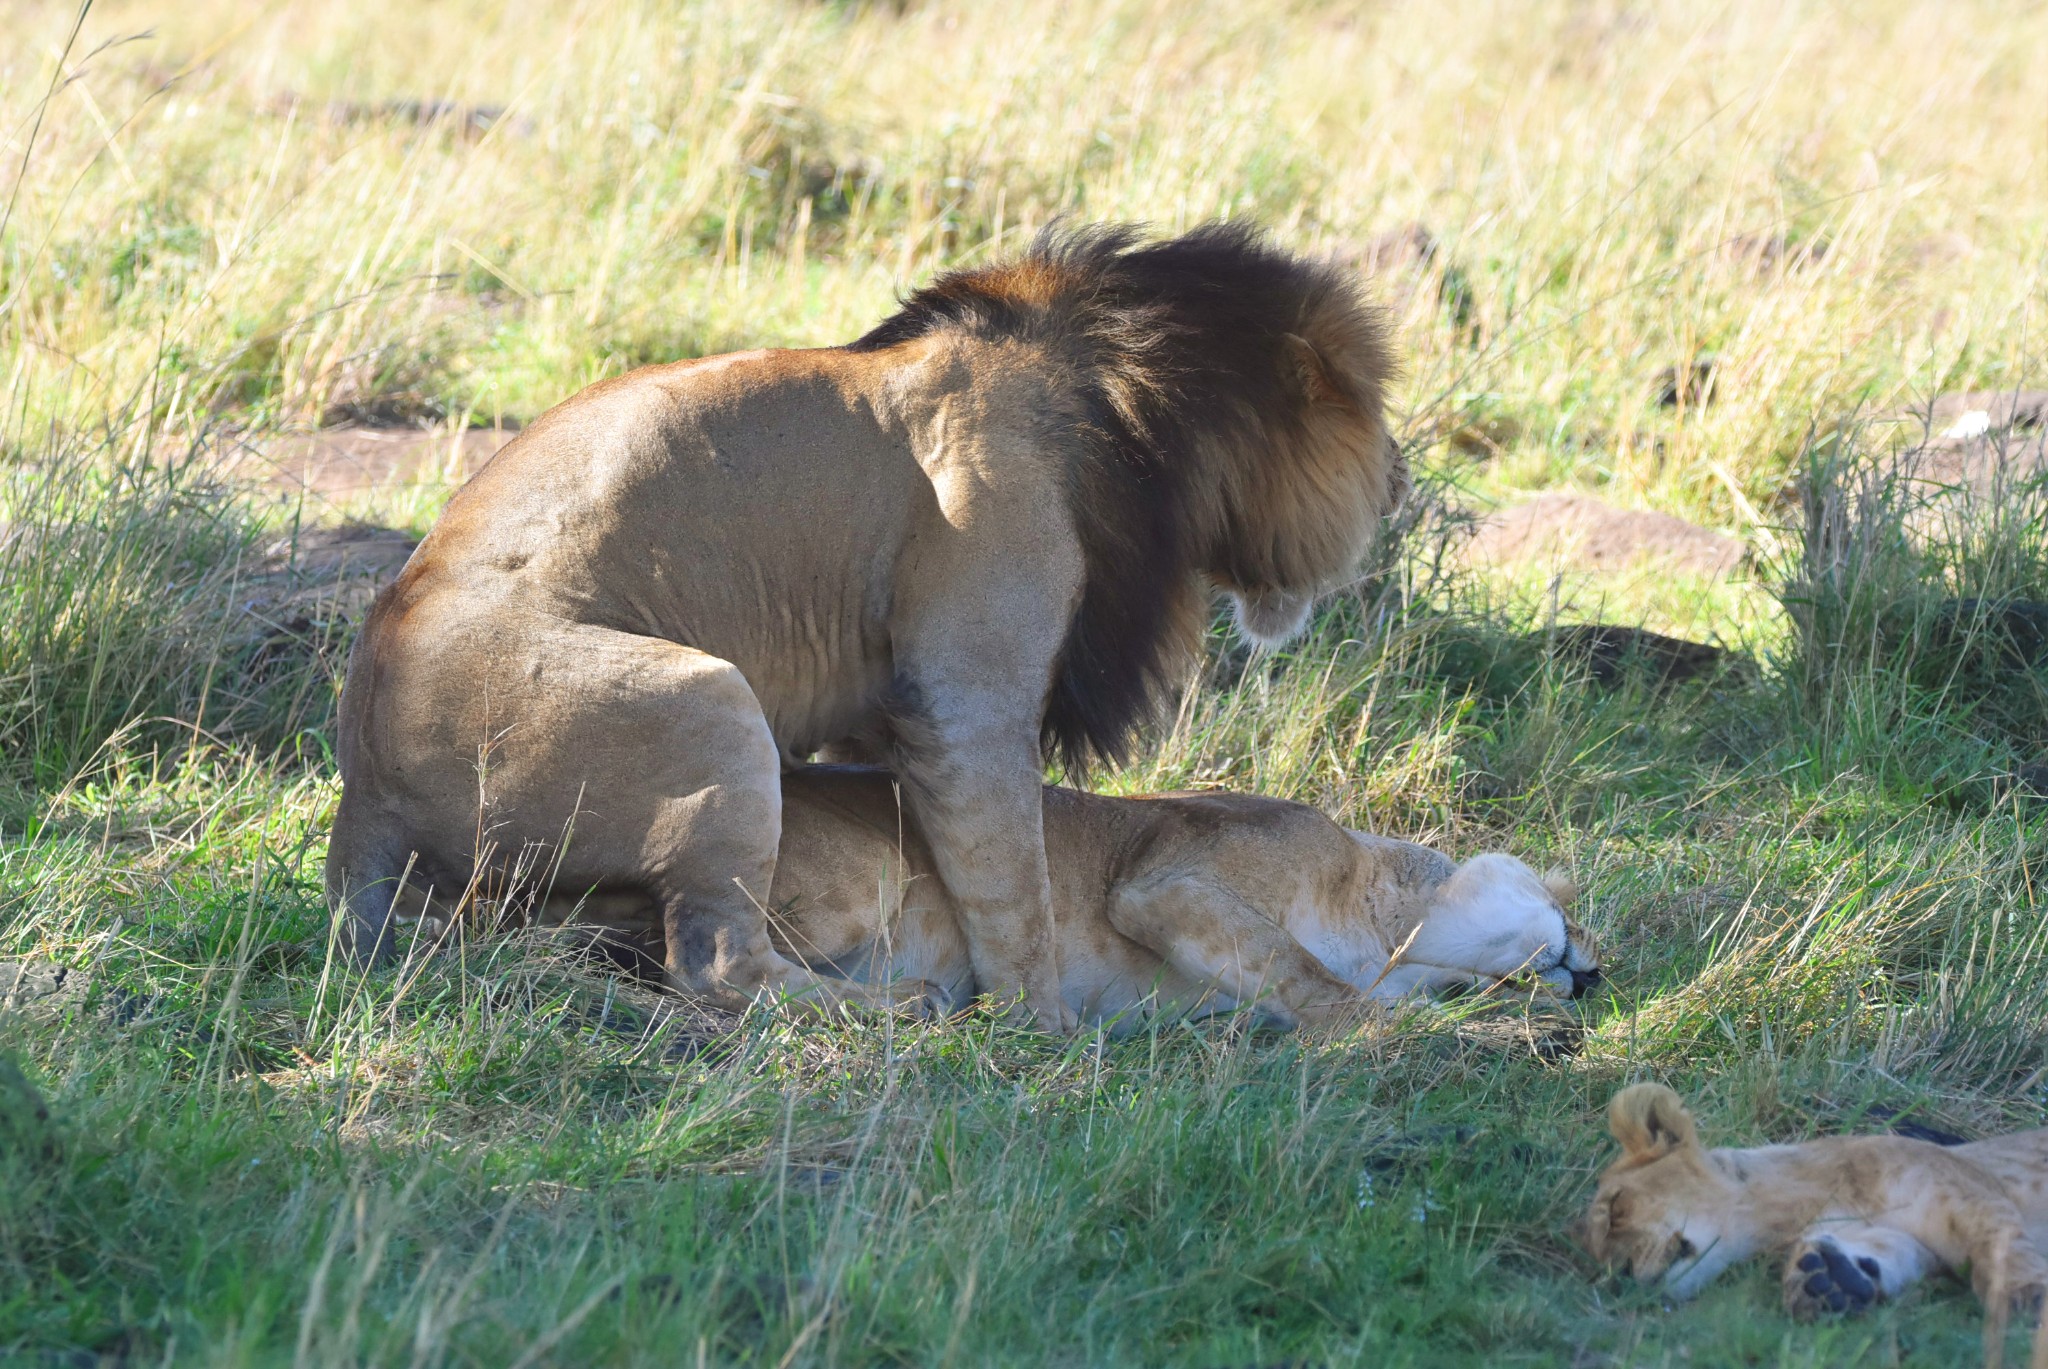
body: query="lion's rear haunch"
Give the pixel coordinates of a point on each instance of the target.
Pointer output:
(1228, 424)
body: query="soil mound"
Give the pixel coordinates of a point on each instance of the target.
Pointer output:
(1578, 532)
(337, 461)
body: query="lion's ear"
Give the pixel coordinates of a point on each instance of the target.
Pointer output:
(1304, 365)
(1561, 887)
(1649, 1121)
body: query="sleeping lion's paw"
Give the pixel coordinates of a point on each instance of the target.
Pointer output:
(1576, 968)
(1824, 1280)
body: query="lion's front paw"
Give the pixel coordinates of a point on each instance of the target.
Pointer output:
(924, 999)
(2026, 1299)
(1822, 1279)
(1340, 1018)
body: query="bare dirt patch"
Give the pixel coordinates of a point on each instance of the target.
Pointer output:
(342, 461)
(1578, 532)
(1982, 467)
(327, 555)
(1970, 452)
(41, 989)
(310, 589)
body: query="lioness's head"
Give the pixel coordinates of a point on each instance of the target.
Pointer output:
(1518, 920)
(1663, 1210)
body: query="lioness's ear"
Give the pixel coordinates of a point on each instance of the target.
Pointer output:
(1561, 887)
(1304, 365)
(1649, 1121)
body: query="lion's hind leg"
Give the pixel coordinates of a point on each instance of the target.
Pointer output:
(637, 766)
(372, 885)
(1839, 1268)
(362, 889)
(690, 808)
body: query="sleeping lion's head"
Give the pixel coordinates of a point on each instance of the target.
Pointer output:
(1663, 1211)
(1516, 920)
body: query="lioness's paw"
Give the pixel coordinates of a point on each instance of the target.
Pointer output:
(1577, 970)
(1338, 1019)
(1822, 1279)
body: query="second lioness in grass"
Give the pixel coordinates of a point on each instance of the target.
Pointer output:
(1170, 904)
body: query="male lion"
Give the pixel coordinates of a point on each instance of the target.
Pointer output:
(1860, 1218)
(1169, 905)
(980, 534)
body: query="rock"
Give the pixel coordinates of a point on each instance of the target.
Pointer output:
(1690, 386)
(1963, 414)
(1969, 459)
(1584, 533)
(1397, 1152)
(1411, 247)
(334, 461)
(2024, 786)
(25, 1125)
(1940, 249)
(2016, 630)
(39, 989)
(470, 122)
(2026, 782)
(1483, 436)
(1399, 259)
(1901, 1124)
(1769, 251)
(1608, 651)
(1951, 482)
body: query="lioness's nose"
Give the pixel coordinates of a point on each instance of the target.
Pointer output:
(1582, 980)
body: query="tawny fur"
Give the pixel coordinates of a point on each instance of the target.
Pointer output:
(984, 531)
(1164, 906)
(1859, 1219)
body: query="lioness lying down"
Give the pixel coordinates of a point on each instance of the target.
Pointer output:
(1860, 1218)
(1174, 905)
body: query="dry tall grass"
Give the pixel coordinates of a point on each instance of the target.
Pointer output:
(1620, 188)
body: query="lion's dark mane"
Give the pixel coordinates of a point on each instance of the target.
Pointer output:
(1172, 353)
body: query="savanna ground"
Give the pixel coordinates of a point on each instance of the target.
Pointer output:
(1817, 882)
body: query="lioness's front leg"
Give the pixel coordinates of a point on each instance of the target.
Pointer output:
(1207, 932)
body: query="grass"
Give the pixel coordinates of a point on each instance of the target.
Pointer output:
(1818, 888)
